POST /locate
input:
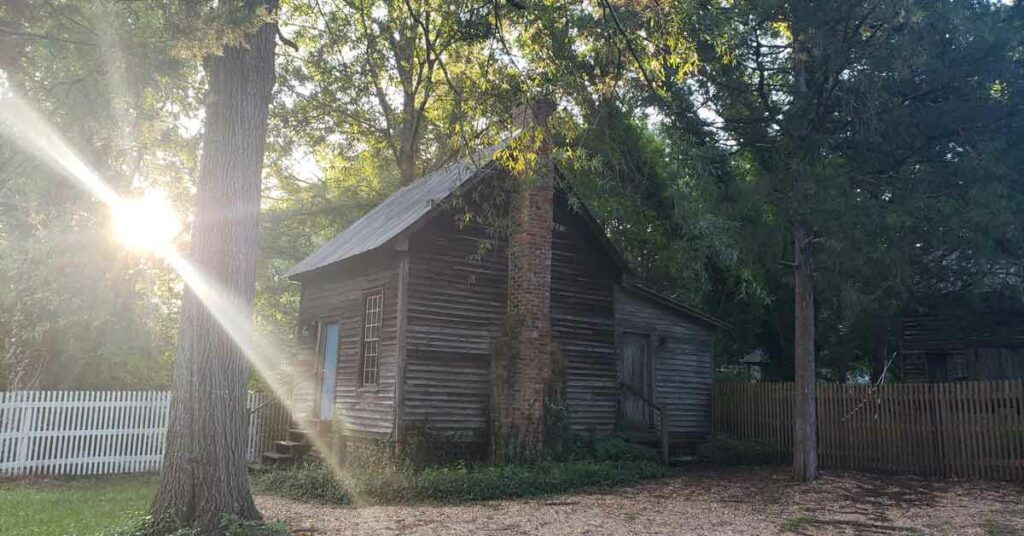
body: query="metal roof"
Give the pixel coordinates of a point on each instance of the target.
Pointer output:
(675, 305)
(397, 213)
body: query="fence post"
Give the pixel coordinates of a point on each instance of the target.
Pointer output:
(28, 416)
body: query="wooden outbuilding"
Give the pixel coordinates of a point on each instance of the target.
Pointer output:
(408, 306)
(948, 347)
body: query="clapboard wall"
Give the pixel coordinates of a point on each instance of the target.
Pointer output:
(682, 360)
(458, 291)
(338, 294)
(583, 320)
(458, 286)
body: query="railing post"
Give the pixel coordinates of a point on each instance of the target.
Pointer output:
(664, 435)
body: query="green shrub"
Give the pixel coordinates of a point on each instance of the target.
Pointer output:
(617, 449)
(724, 451)
(311, 482)
(452, 484)
(232, 526)
(129, 526)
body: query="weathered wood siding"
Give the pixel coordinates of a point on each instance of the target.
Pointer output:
(682, 361)
(338, 293)
(457, 303)
(583, 320)
(969, 347)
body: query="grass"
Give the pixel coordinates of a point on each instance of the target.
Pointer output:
(72, 507)
(450, 485)
(116, 506)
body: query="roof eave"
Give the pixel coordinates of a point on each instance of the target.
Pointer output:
(293, 274)
(675, 305)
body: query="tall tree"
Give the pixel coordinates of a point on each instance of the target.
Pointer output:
(849, 122)
(204, 475)
(397, 80)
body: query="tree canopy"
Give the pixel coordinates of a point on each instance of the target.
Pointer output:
(700, 133)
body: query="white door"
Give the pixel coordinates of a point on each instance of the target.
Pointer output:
(328, 368)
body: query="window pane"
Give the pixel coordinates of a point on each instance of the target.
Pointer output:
(371, 336)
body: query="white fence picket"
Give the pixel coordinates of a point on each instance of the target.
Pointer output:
(93, 432)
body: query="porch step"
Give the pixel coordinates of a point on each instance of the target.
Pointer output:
(276, 458)
(683, 459)
(296, 435)
(643, 436)
(291, 447)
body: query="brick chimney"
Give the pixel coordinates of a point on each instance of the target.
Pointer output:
(533, 113)
(521, 370)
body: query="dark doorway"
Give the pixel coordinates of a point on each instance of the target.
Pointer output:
(638, 374)
(938, 368)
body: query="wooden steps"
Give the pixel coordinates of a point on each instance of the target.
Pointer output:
(288, 451)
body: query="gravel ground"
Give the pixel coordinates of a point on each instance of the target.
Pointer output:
(759, 501)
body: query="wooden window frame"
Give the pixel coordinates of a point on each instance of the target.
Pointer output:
(364, 340)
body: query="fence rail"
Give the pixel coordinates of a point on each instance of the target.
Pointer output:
(951, 430)
(103, 432)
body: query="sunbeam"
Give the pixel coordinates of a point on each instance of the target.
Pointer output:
(150, 224)
(261, 352)
(28, 130)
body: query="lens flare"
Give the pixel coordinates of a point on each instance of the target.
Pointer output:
(150, 223)
(147, 223)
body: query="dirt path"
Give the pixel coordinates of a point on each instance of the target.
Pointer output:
(699, 502)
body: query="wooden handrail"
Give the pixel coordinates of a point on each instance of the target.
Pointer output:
(640, 395)
(662, 417)
(274, 397)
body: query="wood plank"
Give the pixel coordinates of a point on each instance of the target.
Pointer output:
(920, 444)
(908, 441)
(1013, 438)
(985, 443)
(1016, 438)
(825, 447)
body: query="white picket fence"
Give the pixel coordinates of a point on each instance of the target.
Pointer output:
(99, 432)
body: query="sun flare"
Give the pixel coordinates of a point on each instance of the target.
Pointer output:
(147, 223)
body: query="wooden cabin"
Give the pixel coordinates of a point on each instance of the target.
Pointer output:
(406, 308)
(948, 347)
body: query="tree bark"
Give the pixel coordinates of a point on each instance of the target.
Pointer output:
(805, 447)
(204, 474)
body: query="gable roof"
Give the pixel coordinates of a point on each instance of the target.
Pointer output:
(674, 305)
(397, 213)
(416, 202)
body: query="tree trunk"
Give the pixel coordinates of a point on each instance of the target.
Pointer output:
(805, 447)
(204, 473)
(879, 353)
(407, 140)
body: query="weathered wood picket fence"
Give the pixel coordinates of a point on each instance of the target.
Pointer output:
(951, 430)
(103, 432)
